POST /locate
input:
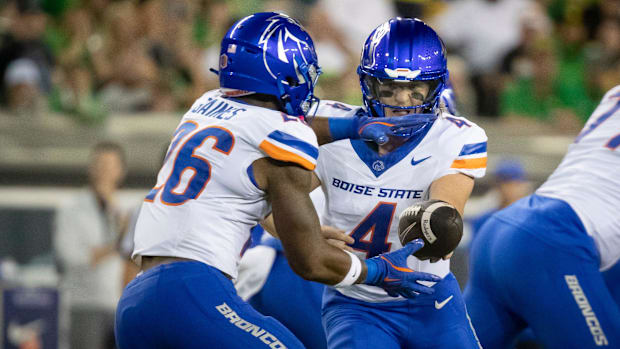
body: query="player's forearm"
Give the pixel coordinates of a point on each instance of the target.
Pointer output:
(308, 253)
(330, 129)
(334, 266)
(378, 130)
(320, 126)
(454, 189)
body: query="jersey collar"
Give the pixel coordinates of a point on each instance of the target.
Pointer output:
(380, 164)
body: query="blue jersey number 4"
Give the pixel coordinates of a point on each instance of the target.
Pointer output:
(372, 233)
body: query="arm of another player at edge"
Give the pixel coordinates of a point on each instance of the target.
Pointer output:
(308, 253)
(454, 189)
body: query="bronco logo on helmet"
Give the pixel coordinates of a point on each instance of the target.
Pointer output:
(272, 55)
(374, 41)
(285, 52)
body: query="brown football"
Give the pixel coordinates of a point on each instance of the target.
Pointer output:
(437, 222)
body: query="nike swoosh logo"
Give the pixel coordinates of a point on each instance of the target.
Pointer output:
(387, 279)
(442, 304)
(413, 162)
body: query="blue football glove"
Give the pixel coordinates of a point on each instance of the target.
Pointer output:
(378, 130)
(409, 125)
(390, 272)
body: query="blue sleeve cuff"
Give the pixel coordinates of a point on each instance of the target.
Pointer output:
(342, 128)
(372, 272)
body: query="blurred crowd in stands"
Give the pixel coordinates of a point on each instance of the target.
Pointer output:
(527, 61)
(543, 64)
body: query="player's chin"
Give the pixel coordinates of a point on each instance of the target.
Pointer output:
(390, 112)
(411, 109)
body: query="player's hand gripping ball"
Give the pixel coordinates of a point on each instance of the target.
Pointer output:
(437, 222)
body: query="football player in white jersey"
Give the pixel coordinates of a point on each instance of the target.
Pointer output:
(537, 262)
(402, 71)
(238, 153)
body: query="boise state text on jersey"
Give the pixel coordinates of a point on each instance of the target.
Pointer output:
(377, 192)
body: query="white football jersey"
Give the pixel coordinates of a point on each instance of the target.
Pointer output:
(366, 193)
(588, 178)
(206, 200)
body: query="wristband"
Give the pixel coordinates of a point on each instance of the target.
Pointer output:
(342, 128)
(354, 271)
(372, 272)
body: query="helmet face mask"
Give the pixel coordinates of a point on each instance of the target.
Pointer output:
(307, 77)
(406, 56)
(270, 53)
(401, 97)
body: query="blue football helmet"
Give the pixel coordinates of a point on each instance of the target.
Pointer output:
(270, 53)
(448, 99)
(403, 52)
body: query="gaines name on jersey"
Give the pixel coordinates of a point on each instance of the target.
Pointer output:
(215, 108)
